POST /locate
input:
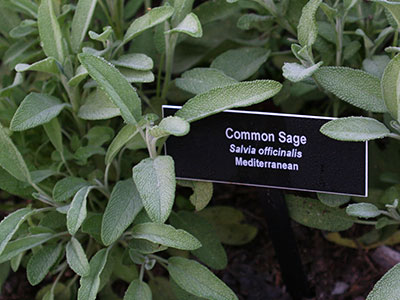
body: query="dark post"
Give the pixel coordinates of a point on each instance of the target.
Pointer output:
(284, 242)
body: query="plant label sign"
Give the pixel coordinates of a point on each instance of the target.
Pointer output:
(272, 150)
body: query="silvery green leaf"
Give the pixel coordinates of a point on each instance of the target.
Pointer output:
(165, 235)
(211, 11)
(394, 8)
(78, 211)
(388, 286)
(47, 65)
(63, 209)
(241, 63)
(150, 19)
(231, 96)
(202, 192)
(98, 107)
(376, 64)
(181, 9)
(198, 280)
(181, 294)
(138, 290)
(18, 246)
(390, 87)
(41, 262)
(136, 76)
(11, 159)
(392, 49)
(333, 200)
(80, 22)
(211, 252)
(24, 29)
(76, 258)
(122, 208)
(145, 246)
(36, 109)
(81, 74)
(155, 180)
(314, 214)
(190, 25)
(201, 80)
(67, 187)
(296, 72)
(307, 29)
(18, 52)
(102, 37)
(123, 137)
(53, 131)
(10, 224)
(363, 210)
(90, 284)
(355, 129)
(367, 41)
(135, 61)
(99, 135)
(25, 7)
(49, 30)
(351, 49)
(356, 87)
(118, 89)
(170, 126)
(40, 175)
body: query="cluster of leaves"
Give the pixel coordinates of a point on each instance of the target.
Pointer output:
(355, 59)
(81, 137)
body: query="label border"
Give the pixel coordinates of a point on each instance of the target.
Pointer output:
(268, 186)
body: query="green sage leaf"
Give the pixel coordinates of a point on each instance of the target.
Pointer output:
(190, 25)
(47, 65)
(98, 107)
(80, 22)
(231, 96)
(355, 129)
(307, 30)
(77, 211)
(76, 258)
(41, 262)
(155, 180)
(36, 109)
(296, 72)
(123, 137)
(67, 187)
(198, 280)
(390, 86)
(388, 286)
(363, 210)
(170, 126)
(138, 290)
(122, 208)
(118, 89)
(165, 235)
(135, 61)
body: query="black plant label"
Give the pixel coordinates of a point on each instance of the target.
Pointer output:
(270, 150)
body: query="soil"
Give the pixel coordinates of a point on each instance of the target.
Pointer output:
(334, 272)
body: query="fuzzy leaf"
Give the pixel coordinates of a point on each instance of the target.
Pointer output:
(98, 107)
(76, 258)
(41, 262)
(118, 89)
(150, 19)
(102, 37)
(67, 187)
(390, 87)
(138, 290)
(50, 32)
(296, 72)
(135, 61)
(121, 210)
(231, 96)
(123, 137)
(80, 22)
(90, 284)
(53, 131)
(307, 30)
(211, 252)
(356, 87)
(355, 129)
(190, 25)
(394, 8)
(18, 246)
(165, 235)
(170, 126)
(198, 280)
(312, 213)
(36, 109)
(47, 65)
(10, 224)
(388, 286)
(363, 210)
(333, 200)
(376, 64)
(201, 80)
(155, 180)
(202, 192)
(137, 76)
(11, 159)
(77, 211)
(81, 74)
(241, 63)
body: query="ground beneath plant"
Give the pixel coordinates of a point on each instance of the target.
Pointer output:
(334, 272)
